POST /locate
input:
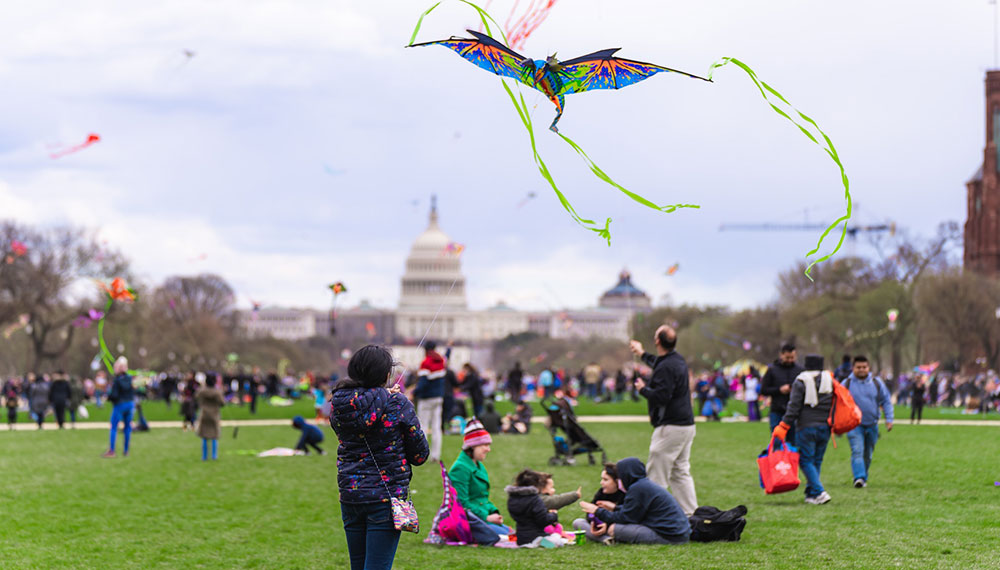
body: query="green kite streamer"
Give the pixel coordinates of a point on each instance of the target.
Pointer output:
(766, 89)
(602, 70)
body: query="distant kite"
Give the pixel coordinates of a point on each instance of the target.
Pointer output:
(673, 268)
(91, 139)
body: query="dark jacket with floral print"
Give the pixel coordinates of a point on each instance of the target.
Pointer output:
(389, 425)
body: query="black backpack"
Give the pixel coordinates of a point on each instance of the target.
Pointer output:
(709, 524)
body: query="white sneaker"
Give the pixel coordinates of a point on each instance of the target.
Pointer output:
(860, 483)
(823, 497)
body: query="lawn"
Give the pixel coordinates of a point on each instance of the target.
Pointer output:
(931, 503)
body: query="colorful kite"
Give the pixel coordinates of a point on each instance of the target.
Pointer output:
(337, 289)
(17, 249)
(91, 139)
(601, 70)
(673, 268)
(118, 291)
(554, 78)
(453, 248)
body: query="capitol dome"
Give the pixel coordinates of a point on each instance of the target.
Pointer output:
(433, 277)
(626, 296)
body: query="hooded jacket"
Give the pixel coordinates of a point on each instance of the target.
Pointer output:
(647, 503)
(529, 513)
(803, 415)
(387, 424)
(122, 390)
(430, 377)
(779, 375)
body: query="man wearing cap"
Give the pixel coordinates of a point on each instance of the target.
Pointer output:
(472, 484)
(808, 409)
(669, 399)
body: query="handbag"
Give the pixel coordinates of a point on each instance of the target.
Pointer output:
(404, 514)
(779, 468)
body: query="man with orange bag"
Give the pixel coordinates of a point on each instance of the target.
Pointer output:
(808, 409)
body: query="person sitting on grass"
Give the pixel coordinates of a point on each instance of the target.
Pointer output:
(648, 515)
(520, 420)
(210, 401)
(554, 502)
(608, 496)
(525, 506)
(472, 485)
(311, 436)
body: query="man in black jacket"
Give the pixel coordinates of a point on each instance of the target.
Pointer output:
(669, 399)
(777, 383)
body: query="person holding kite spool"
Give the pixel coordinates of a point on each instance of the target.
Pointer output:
(122, 397)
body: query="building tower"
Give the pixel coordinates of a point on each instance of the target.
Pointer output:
(433, 276)
(625, 296)
(982, 223)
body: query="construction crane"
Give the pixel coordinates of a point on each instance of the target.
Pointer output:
(852, 231)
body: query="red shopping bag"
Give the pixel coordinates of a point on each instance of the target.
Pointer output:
(779, 468)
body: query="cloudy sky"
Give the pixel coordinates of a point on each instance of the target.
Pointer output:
(301, 142)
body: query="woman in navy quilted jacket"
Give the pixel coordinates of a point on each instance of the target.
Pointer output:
(370, 418)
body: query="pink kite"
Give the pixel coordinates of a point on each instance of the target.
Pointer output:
(91, 139)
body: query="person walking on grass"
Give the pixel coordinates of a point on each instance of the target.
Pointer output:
(917, 398)
(380, 442)
(38, 397)
(75, 399)
(59, 395)
(870, 394)
(777, 384)
(210, 401)
(669, 399)
(808, 410)
(122, 397)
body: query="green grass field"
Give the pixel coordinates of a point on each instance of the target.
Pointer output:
(931, 503)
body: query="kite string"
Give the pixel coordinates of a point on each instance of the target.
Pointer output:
(766, 89)
(430, 326)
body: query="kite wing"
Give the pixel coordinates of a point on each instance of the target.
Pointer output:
(601, 70)
(488, 54)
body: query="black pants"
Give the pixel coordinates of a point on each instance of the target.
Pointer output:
(12, 415)
(60, 409)
(253, 403)
(916, 412)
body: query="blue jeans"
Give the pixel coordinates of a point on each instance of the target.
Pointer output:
(775, 419)
(862, 439)
(812, 442)
(371, 536)
(484, 532)
(122, 412)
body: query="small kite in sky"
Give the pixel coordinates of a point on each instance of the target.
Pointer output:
(92, 316)
(91, 139)
(333, 171)
(554, 78)
(529, 197)
(17, 249)
(673, 268)
(453, 248)
(337, 288)
(199, 257)
(118, 291)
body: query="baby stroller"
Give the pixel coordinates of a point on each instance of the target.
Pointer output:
(576, 441)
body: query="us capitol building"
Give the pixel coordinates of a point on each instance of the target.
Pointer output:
(433, 283)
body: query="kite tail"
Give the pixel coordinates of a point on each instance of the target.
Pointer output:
(106, 355)
(603, 176)
(767, 92)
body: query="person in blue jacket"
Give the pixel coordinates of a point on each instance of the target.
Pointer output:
(122, 396)
(870, 394)
(311, 436)
(648, 515)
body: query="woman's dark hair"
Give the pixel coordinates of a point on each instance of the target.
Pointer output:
(368, 368)
(469, 452)
(612, 470)
(210, 379)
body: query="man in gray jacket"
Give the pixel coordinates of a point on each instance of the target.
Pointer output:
(870, 394)
(808, 409)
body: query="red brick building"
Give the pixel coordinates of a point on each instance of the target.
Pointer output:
(982, 224)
